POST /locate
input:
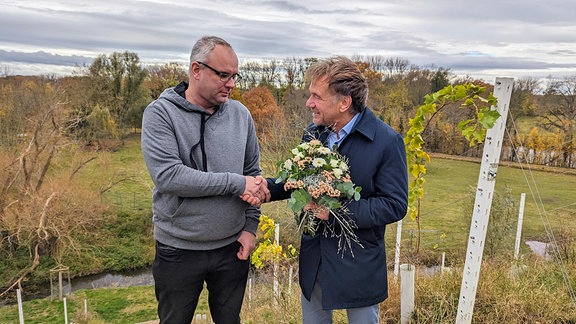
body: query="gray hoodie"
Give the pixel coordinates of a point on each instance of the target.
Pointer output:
(197, 181)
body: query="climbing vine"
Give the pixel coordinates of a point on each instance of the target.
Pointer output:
(474, 130)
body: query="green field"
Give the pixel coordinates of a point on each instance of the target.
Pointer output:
(550, 198)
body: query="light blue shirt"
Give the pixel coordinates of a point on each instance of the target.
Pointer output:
(344, 131)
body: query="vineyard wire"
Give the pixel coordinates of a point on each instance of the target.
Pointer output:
(535, 194)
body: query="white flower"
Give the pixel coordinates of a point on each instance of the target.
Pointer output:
(304, 146)
(318, 162)
(309, 170)
(337, 173)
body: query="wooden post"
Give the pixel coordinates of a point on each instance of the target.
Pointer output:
(59, 285)
(484, 194)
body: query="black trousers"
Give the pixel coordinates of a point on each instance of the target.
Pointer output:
(179, 277)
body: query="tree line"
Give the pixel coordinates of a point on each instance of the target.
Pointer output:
(103, 102)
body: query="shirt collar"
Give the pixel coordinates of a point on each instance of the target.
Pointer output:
(344, 131)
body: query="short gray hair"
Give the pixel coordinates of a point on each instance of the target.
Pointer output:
(204, 46)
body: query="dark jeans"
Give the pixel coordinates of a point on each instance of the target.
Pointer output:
(179, 277)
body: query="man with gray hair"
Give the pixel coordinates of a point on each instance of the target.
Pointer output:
(202, 153)
(356, 281)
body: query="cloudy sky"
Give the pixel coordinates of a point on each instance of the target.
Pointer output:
(482, 39)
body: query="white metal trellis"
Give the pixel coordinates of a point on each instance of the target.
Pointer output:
(484, 193)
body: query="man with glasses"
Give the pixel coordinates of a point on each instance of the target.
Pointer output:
(202, 154)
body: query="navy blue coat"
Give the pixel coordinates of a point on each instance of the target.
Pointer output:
(377, 159)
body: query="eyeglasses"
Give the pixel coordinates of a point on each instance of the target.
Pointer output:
(224, 77)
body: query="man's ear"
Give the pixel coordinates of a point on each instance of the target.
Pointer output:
(345, 103)
(194, 70)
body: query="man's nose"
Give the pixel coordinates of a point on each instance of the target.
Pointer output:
(310, 103)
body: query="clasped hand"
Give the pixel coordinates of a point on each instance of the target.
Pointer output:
(256, 192)
(319, 211)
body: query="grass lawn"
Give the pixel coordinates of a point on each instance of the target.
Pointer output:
(450, 190)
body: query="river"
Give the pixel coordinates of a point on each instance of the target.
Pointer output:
(143, 277)
(138, 277)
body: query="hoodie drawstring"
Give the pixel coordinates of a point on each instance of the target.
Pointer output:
(200, 143)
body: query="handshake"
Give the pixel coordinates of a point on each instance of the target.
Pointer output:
(256, 192)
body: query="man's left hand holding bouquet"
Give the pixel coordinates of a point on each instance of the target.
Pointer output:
(319, 211)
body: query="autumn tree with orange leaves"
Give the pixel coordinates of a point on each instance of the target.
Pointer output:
(268, 117)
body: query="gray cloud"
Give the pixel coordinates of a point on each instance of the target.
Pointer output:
(477, 38)
(41, 57)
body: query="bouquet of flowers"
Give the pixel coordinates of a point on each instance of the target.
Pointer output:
(317, 174)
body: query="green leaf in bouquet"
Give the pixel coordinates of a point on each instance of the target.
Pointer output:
(329, 202)
(349, 189)
(298, 199)
(357, 193)
(282, 176)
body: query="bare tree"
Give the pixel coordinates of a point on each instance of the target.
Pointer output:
(560, 114)
(250, 71)
(523, 99)
(270, 73)
(377, 63)
(294, 69)
(42, 209)
(4, 70)
(396, 67)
